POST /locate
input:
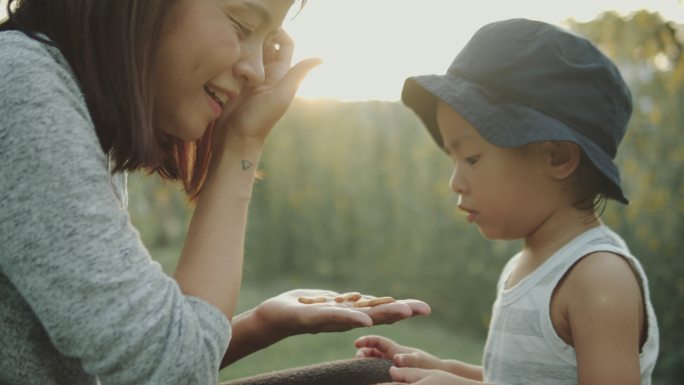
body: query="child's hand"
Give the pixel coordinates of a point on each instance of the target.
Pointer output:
(401, 356)
(428, 377)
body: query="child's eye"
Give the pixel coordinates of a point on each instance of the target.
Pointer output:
(471, 160)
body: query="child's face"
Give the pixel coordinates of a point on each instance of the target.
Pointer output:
(211, 50)
(503, 190)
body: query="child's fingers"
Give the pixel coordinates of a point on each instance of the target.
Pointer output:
(376, 342)
(409, 375)
(412, 360)
(369, 353)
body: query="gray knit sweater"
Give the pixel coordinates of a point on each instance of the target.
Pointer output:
(81, 302)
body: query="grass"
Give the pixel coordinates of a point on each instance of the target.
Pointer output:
(302, 350)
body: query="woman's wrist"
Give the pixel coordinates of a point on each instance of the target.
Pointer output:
(273, 330)
(250, 332)
(240, 143)
(233, 145)
(237, 158)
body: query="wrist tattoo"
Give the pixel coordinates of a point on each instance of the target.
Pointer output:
(246, 165)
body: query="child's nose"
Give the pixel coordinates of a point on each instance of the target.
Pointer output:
(456, 182)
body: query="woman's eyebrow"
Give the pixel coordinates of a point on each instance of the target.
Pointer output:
(261, 11)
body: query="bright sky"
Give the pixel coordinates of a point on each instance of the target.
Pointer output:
(370, 46)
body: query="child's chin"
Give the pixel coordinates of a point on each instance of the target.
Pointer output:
(493, 235)
(485, 234)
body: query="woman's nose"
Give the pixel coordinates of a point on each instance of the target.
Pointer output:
(250, 67)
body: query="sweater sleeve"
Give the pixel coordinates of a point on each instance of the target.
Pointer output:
(67, 244)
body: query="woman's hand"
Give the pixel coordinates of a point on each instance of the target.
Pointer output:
(252, 115)
(401, 356)
(284, 316)
(285, 313)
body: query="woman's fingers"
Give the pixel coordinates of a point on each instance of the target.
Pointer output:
(285, 48)
(340, 318)
(277, 58)
(297, 73)
(418, 307)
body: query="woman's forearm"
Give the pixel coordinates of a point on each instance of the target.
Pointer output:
(210, 266)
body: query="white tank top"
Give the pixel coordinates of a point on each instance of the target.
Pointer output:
(522, 345)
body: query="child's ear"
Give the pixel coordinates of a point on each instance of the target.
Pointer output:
(563, 158)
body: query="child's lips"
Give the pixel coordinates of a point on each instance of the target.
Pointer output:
(471, 214)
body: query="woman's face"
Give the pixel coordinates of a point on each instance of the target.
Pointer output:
(210, 51)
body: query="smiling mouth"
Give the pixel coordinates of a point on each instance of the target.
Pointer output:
(218, 96)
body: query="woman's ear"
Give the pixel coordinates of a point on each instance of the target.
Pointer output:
(563, 158)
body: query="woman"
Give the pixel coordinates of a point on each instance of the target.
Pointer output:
(189, 89)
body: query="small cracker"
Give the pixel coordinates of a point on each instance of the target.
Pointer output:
(374, 302)
(351, 296)
(310, 300)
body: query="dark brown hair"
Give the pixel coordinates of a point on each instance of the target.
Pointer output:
(594, 188)
(111, 47)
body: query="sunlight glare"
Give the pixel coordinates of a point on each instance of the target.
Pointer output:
(369, 47)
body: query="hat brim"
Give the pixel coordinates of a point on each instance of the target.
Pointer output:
(500, 120)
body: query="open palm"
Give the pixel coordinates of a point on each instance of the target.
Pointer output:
(294, 317)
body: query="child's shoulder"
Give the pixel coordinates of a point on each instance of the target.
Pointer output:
(606, 267)
(600, 292)
(602, 271)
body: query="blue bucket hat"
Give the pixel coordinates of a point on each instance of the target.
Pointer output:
(520, 81)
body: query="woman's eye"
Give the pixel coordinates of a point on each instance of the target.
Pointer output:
(269, 44)
(242, 29)
(471, 160)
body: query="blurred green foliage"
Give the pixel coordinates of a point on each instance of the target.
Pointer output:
(355, 197)
(649, 52)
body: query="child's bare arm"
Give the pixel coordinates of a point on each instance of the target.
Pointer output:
(606, 317)
(408, 357)
(463, 369)
(429, 377)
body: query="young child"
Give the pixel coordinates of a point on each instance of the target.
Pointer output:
(531, 117)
